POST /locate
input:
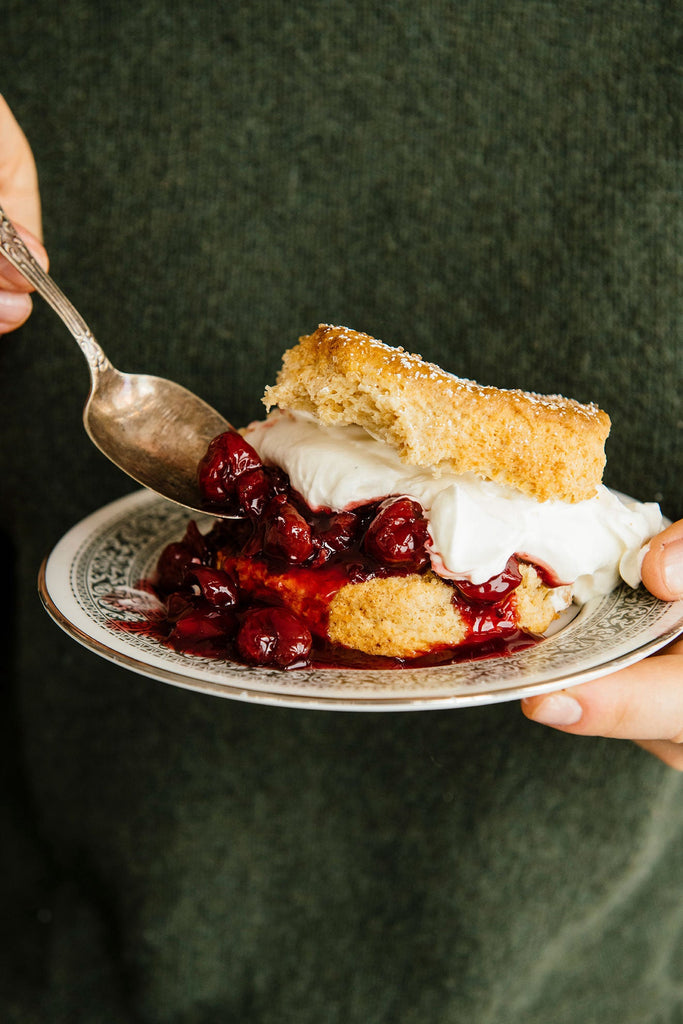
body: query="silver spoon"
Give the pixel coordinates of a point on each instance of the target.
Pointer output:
(153, 429)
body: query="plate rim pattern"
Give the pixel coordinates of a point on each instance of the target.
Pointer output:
(84, 582)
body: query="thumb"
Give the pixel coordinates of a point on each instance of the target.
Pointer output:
(662, 568)
(641, 702)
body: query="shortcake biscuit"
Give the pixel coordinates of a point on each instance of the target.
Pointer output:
(546, 446)
(390, 508)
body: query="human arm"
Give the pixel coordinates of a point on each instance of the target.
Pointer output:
(645, 701)
(20, 198)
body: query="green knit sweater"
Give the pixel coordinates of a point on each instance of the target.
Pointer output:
(496, 185)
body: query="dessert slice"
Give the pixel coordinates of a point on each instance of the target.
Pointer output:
(390, 509)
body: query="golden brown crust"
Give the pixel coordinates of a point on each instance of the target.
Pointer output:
(547, 446)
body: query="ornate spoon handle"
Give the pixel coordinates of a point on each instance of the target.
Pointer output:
(14, 249)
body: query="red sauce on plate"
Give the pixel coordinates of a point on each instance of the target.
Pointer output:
(258, 589)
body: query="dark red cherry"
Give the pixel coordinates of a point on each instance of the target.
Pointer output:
(216, 586)
(494, 590)
(397, 535)
(340, 532)
(274, 637)
(178, 604)
(174, 563)
(253, 490)
(288, 535)
(278, 479)
(333, 534)
(203, 621)
(178, 558)
(227, 458)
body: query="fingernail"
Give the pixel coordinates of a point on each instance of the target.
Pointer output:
(557, 709)
(672, 567)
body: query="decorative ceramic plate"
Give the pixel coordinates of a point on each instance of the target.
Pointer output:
(89, 584)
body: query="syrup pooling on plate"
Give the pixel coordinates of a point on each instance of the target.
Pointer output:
(258, 589)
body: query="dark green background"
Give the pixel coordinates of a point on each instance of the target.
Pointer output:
(496, 185)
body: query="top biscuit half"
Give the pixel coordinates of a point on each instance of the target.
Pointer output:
(546, 446)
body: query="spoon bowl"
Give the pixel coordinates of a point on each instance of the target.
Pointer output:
(153, 429)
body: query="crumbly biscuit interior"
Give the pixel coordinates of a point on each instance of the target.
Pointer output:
(405, 616)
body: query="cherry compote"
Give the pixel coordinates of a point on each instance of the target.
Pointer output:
(274, 637)
(287, 536)
(398, 534)
(216, 586)
(258, 588)
(228, 458)
(177, 560)
(200, 621)
(496, 589)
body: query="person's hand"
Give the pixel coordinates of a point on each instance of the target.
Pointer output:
(20, 199)
(645, 701)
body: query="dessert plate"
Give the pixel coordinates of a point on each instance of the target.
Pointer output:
(89, 585)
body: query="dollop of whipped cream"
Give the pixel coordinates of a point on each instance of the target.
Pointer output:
(475, 525)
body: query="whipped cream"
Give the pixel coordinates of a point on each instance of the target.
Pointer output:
(475, 525)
